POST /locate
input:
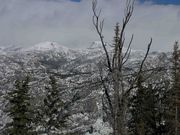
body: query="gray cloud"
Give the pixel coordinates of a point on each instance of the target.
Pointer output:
(27, 22)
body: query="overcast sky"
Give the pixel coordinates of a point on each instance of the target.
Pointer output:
(28, 22)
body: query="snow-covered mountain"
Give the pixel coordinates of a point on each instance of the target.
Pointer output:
(76, 69)
(47, 46)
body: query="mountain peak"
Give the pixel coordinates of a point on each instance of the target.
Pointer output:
(47, 46)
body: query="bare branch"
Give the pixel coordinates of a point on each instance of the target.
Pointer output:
(106, 92)
(140, 69)
(128, 13)
(99, 28)
(144, 59)
(128, 55)
(128, 51)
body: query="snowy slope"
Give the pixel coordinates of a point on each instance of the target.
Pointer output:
(45, 58)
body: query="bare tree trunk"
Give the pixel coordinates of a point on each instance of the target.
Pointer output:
(117, 102)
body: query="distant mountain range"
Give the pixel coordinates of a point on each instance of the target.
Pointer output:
(75, 69)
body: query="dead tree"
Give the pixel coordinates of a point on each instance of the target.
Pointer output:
(115, 62)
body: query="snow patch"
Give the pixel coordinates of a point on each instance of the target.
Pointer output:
(101, 128)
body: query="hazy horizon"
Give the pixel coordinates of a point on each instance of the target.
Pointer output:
(69, 23)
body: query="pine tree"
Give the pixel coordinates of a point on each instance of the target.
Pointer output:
(175, 92)
(148, 108)
(137, 123)
(19, 110)
(53, 118)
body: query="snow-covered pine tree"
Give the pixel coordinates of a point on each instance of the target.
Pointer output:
(149, 107)
(54, 116)
(19, 110)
